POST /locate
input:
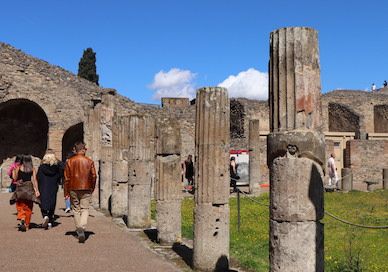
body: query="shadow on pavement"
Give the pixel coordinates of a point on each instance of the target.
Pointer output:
(74, 234)
(185, 252)
(152, 234)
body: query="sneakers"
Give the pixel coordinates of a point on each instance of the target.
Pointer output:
(22, 226)
(49, 225)
(45, 222)
(81, 235)
(67, 210)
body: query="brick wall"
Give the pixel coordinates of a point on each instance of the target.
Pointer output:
(367, 158)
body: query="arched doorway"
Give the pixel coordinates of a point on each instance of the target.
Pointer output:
(72, 135)
(24, 129)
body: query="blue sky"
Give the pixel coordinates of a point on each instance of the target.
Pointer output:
(150, 48)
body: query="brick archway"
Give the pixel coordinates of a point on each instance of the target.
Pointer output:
(72, 135)
(24, 129)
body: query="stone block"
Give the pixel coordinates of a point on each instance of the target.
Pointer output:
(140, 172)
(296, 246)
(105, 183)
(139, 204)
(168, 185)
(119, 200)
(296, 190)
(120, 171)
(211, 237)
(168, 214)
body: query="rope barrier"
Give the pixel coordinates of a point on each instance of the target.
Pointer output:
(354, 224)
(326, 212)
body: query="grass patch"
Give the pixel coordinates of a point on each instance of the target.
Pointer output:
(250, 246)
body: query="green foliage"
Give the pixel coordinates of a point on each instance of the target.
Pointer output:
(347, 248)
(87, 66)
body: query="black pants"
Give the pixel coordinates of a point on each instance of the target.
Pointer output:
(49, 214)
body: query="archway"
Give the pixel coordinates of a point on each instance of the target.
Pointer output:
(381, 118)
(342, 119)
(24, 129)
(72, 135)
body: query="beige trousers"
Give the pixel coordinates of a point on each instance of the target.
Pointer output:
(80, 202)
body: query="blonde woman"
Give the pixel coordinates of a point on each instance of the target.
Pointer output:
(49, 177)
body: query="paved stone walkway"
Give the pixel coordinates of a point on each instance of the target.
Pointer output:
(107, 248)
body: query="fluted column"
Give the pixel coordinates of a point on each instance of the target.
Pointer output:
(106, 160)
(254, 157)
(140, 163)
(347, 179)
(211, 214)
(168, 186)
(296, 152)
(120, 165)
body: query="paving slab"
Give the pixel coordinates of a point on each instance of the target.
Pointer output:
(108, 247)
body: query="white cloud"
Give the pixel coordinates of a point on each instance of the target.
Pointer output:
(174, 83)
(251, 84)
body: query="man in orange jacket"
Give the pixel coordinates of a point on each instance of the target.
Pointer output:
(80, 181)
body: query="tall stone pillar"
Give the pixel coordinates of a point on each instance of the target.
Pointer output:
(106, 151)
(347, 179)
(141, 156)
(296, 152)
(120, 165)
(385, 179)
(168, 186)
(254, 157)
(211, 214)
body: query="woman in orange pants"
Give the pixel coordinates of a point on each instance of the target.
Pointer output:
(25, 173)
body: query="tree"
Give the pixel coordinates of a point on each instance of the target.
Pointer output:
(87, 66)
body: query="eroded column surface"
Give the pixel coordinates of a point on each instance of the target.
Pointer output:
(211, 214)
(296, 152)
(385, 179)
(168, 199)
(141, 168)
(254, 157)
(168, 186)
(120, 166)
(106, 151)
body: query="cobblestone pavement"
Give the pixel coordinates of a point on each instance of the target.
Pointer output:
(107, 248)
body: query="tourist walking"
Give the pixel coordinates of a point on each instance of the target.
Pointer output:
(49, 178)
(12, 187)
(188, 170)
(80, 181)
(373, 87)
(332, 171)
(26, 191)
(385, 84)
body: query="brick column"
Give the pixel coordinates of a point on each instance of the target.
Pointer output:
(141, 156)
(254, 157)
(296, 152)
(211, 214)
(120, 166)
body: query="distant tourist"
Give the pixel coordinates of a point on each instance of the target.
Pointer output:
(373, 87)
(26, 192)
(188, 170)
(332, 171)
(80, 181)
(385, 84)
(49, 178)
(233, 173)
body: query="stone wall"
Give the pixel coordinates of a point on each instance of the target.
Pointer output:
(367, 159)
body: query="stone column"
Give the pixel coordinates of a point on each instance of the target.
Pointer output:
(106, 141)
(346, 179)
(254, 157)
(211, 214)
(168, 199)
(385, 179)
(141, 155)
(120, 166)
(168, 186)
(296, 152)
